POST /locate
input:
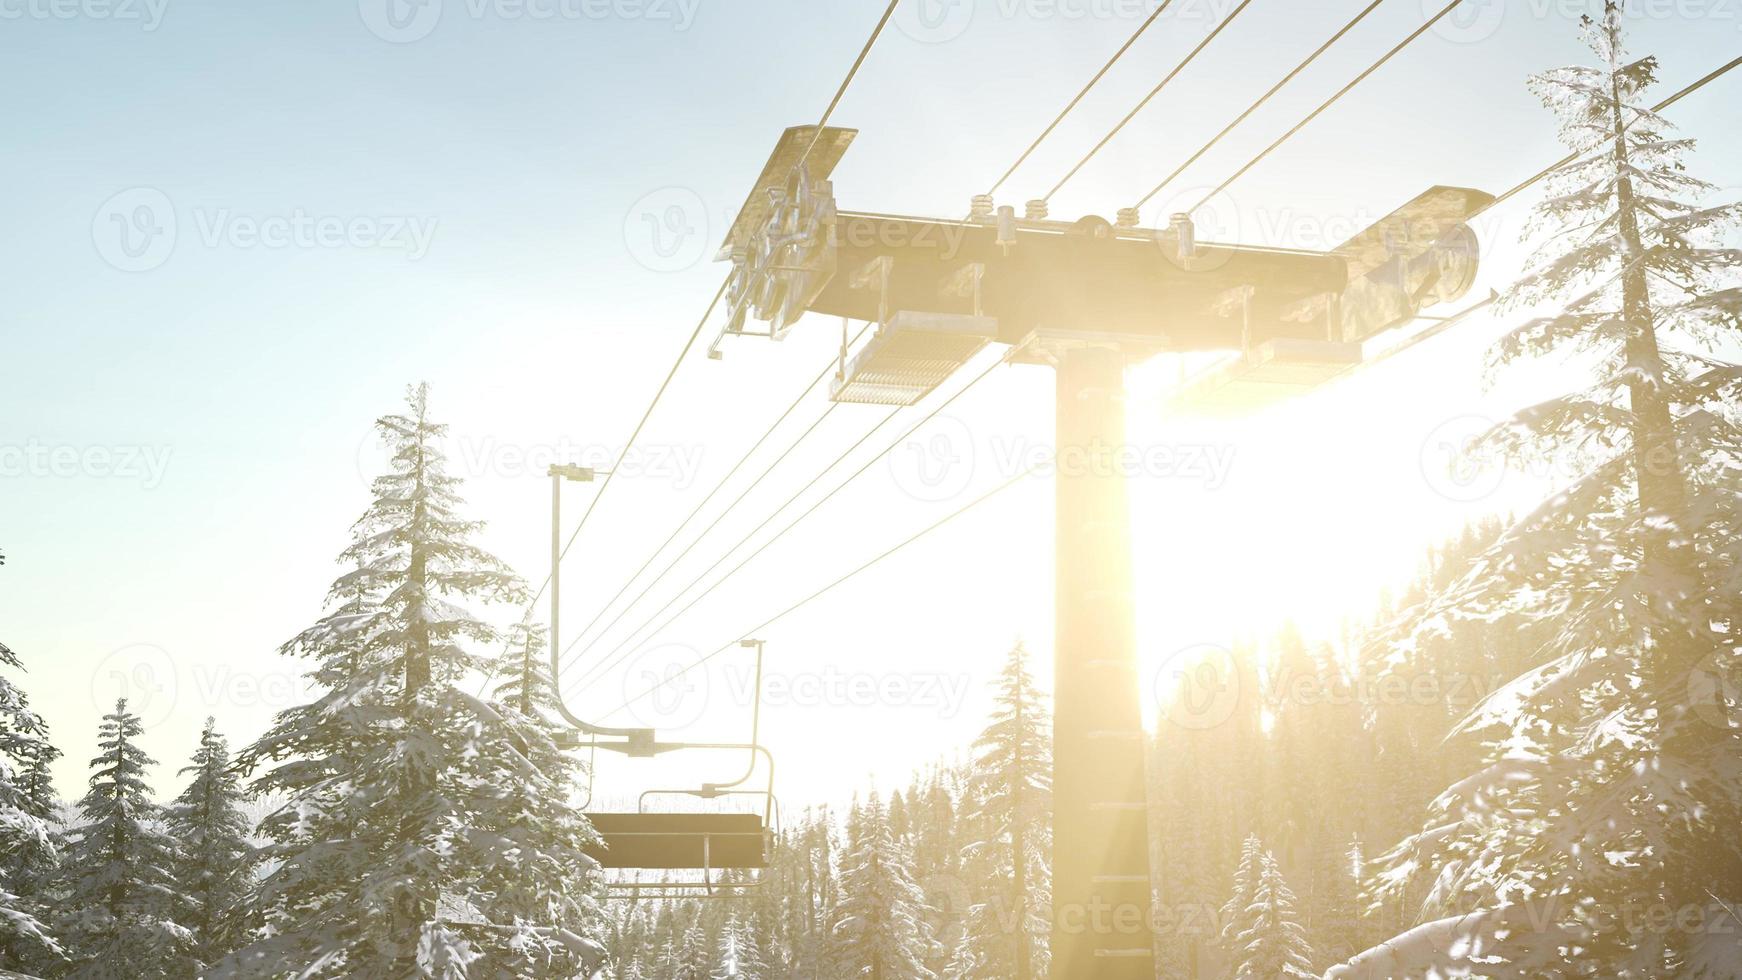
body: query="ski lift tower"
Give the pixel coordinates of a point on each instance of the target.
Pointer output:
(1086, 298)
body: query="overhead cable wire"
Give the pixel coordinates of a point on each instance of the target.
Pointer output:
(703, 503)
(636, 434)
(1147, 98)
(789, 610)
(1333, 100)
(625, 648)
(611, 658)
(689, 344)
(1254, 107)
(766, 471)
(1070, 106)
(835, 102)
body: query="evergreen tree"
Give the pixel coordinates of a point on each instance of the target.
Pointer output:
(390, 771)
(1186, 808)
(1011, 804)
(36, 781)
(1271, 942)
(730, 950)
(212, 869)
(529, 839)
(740, 952)
(756, 949)
(1245, 887)
(27, 842)
(120, 913)
(896, 808)
(694, 955)
(1333, 916)
(879, 929)
(666, 963)
(1609, 785)
(324, 748)
(814, 907)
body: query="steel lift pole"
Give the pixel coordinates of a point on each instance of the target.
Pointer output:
(1101, 884)
(1086, 298)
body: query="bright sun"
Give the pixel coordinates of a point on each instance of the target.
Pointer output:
(1305, 512)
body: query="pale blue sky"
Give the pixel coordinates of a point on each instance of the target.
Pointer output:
(528, 152)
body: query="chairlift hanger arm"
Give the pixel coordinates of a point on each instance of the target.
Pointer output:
(752, 748)
(637, 740)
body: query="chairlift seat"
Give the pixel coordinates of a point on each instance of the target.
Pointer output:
(681, 841)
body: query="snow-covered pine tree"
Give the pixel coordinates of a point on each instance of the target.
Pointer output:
(212, 870)
(763, 913)
(1272, 944)
(879, 930)
(32, 848)
(1011, 807)
(376, 874)
(1333, 915)
(529, 839)
(36, 781)
(726, 952)
(666, 963)
(1189, 815)
(633, 939)
(1609, 798)
(899, 824)
(694, 955)
(812, 910)
(983, 920)
(27, 845)
(525, 671)
(119, 916)
(740, 952)
(1246, 877)
(323, 749)
(758, 957)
